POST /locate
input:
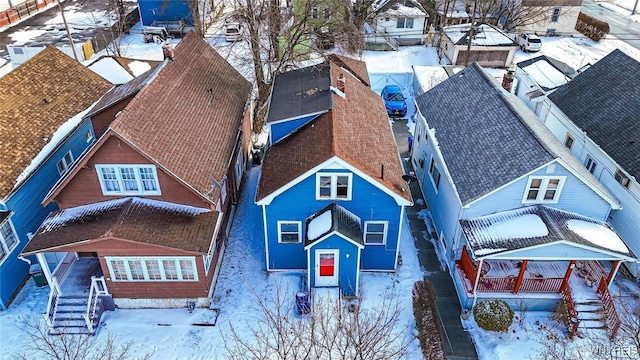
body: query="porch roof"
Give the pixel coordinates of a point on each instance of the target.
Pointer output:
(543, 233)
(136, 219)
(333, 218)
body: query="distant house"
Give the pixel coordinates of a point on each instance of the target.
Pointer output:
(42, 104)
(596, 117)
(549, 18)
(539, 76)
(331, 186)
(146, 211)
(403, 20)
(490, 46)
(513, 211)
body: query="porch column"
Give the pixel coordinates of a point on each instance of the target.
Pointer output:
(45, 267)
(523, 268)
(567, 274)
(478, 272)
(613, 272)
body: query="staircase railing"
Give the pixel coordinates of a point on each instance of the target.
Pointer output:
(612, 319)
(571, 312)
(52, 304)
(98, 288)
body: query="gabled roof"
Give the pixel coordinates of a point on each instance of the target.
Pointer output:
(546, 72)
(502, 139)
(120, 70)
(358, 68)
(535, 226)
(484, 35)
(187, 116)
(36, 99)
(604, 101)
(135, 219)
(356, 130)
(398, 8)
(333, 218)
(300, 92)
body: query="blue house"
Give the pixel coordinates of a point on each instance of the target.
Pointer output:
(331, 185)
(514, 213)
(42, 103)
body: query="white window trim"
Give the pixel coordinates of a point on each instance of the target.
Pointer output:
(334, 187)
(239, 169)
(118, 174)
(298, 223)
(591, 164)
(569, 140)
(384, 235)
(88, 136)
(553, 10)
(543, 189)
(65, 166)
(159, 259)
(432, 164)
(3, 244)
(223, 192)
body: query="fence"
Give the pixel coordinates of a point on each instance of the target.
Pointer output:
(22, 11)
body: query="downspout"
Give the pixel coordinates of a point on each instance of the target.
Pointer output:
(475, 285)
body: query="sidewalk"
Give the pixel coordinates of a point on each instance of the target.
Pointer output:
(456, 342)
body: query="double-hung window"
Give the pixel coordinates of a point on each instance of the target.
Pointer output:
(405, 23)
(128, 179)
(65, 163)
(8, 239)
(591, 164)
(375, 232)
(333, 186)
(555, 14)
(181, 268)
(435, 173)
(543, 189)
(289, 232)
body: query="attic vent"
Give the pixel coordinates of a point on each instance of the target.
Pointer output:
(340, 83)
(45, 101)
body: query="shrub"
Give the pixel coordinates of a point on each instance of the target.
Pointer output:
(493, 315)
(591, 27)
(425, 311)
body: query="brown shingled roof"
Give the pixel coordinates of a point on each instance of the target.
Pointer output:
(187, 118)
(356, 130)
(357, 67)
(136, 219)
(35, 100)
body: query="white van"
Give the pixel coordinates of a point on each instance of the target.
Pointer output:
(233, 32)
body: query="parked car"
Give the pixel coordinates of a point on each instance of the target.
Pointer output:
(233, 32)
(529, 42)
(394, 101)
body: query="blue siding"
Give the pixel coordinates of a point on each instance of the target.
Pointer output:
(576, 197)
(164, 10)
(298, 203)
(280, 130)
(348, 270)
(28, 214)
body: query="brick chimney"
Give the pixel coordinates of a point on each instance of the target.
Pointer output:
(340, 82)
(507, 80)
(167, 52)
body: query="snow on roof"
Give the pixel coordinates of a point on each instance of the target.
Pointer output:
(525, 226)
(139, 67)
(484, 35)
(545, 74)
(400, 9)
(598, 234)
(319, 225)
(110, 69)
(57, 137)
(429, 76)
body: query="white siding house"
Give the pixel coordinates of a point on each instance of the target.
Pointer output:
(403, 20)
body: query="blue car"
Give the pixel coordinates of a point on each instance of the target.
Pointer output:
(394, 101)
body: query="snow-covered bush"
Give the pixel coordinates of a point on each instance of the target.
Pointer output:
(493, 315)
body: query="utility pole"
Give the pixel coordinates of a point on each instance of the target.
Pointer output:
(635, 7)
(66, 26)
(471, 31)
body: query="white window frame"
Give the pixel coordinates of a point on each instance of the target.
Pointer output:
(569, 140)
(542, 190)
(159, 260)
(432, 176)
(223, 192)
(280, 232)
(405, 19)
(384, 232)
(88, 136)
(555, 13)
(315, 12)
(239, 169)
(334, 186)
(591, 164)
(64, 164)
(121, 182)
(3, 241)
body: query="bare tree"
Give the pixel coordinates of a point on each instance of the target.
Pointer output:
(328, 331)
(67, 346)
(628, 339)
(204, 13)
(517, 15)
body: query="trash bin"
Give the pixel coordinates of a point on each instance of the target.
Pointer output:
(35, 271)
(302, 303)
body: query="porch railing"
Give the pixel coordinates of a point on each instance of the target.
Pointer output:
(611, 315)
(571, 312)
(466, 265)
(98, 288)
(52, 304)
(596, 271)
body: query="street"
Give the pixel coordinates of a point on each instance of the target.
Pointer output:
(620, 27)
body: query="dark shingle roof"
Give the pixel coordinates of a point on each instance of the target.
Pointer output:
(483, 142)
(483, 240)
(342, 221)
(4, 215)
(136, 219)
(604, 101)
(299, 92)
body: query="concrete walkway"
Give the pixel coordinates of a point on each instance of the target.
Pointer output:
(456, 342)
